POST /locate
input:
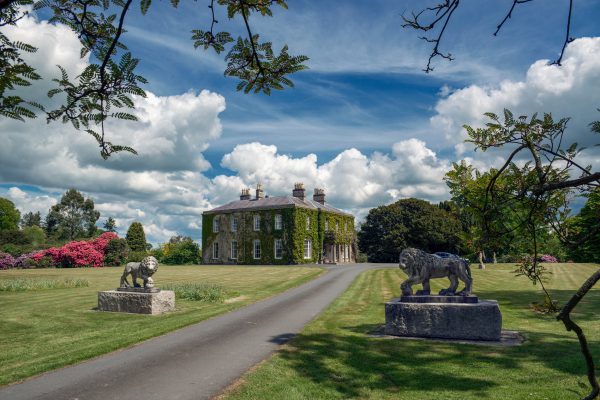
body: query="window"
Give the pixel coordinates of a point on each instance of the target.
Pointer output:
(307, 223)
(278, 223)
(326, 224)
(233, 224)
(346, 226)
(307, 249)
(216, 224)
(234, 250)
(215, 250)
(278, 249)
(257, 249)
(337, 226)
(257, 222)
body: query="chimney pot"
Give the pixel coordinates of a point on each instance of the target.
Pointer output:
(319, 195)
(298, 190)
(245, 195)
(259, 191)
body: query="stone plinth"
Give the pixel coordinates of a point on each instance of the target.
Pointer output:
(470, 321)
(136, 301)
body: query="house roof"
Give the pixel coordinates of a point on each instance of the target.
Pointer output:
(270, 203)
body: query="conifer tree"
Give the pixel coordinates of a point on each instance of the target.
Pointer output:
(136, 239)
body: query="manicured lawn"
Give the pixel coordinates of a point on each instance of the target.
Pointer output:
(333, 358)
(45, 329)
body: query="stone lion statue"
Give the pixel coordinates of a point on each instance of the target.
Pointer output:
(421, 267)
(143, 270)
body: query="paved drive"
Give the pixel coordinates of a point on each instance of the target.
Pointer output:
(196, 362)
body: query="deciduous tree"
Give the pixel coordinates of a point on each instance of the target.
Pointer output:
(9, 215)
(74, 216)
(408, 223)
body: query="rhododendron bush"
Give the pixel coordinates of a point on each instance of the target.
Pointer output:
(79, 254)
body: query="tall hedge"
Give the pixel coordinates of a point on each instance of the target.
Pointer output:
(136, 239)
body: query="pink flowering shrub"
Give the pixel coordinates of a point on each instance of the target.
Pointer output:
(547, 258)
(6, 261)
(101, 241)
(77, 254)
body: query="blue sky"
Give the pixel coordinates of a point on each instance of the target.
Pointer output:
(364, 121)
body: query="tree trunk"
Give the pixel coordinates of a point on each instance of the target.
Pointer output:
(565, 317)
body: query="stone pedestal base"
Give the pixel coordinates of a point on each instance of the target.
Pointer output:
(469, 321)
(136, 302)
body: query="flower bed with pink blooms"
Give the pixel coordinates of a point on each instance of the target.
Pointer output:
(85, 253)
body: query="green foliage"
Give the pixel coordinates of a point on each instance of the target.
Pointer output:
(22, 284)
(408, 223)
(9, 215)
(136, 256)
(136, 238)
(180, 250)
(205, 292)
(116, 252)
(110, 225)
(73, 217)
(14, 71)
(584, 231)
(105, 89)
(35, 235)
(13, 236)
(31, 219)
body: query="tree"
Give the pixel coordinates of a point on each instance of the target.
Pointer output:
(31, 219)
(136, 238)
(408, 223)
(105, 87)
(110, 225)
(9, 215)
(537, 196)
(180, 250)
(116, 252)
(35, 234)
(586, 226)
(439, 17)
(74, 216)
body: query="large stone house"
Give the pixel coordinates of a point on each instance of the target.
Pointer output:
(278, 230)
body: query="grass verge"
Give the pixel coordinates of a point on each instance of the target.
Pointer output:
(333, 358)
(46, 329)
(22, 284)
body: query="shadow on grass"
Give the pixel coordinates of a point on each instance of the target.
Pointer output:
(350, 364)
(347, 361)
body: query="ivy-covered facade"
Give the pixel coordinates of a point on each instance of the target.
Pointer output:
(278, 230)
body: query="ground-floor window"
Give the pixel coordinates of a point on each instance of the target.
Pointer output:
(215, 250)
(278, 249)
(257, 249)
(234, 250)
(307, 248)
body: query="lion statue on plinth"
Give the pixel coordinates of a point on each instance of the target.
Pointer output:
(143, 270)
(421, 267)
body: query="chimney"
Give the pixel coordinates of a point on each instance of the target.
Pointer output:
(259, 191)
(298, 191)
(245, 194)
(319, 196)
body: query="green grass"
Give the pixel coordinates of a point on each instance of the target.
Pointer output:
(333, 358)
(208, 292)
(46, 329)
(22, 284)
